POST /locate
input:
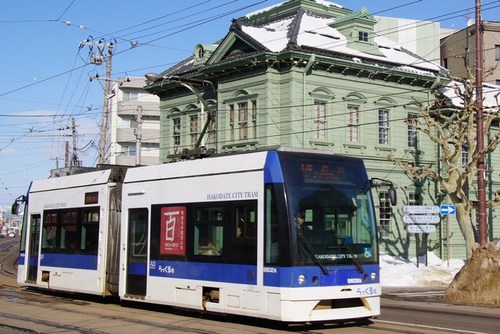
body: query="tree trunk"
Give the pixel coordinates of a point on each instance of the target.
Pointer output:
(465, 224)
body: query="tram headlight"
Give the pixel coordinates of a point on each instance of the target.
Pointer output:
(301, 279)
(373, 276)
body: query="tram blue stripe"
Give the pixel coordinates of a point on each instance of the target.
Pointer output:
(217, 272)
(273, 276)
(338, 275)
(137, 268)
(76, 261)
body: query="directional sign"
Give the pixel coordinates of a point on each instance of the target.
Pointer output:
(421, 228)
(420, 209)
(421, 219)
(448, 209)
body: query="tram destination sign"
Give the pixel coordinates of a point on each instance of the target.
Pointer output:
(421, 219)
(421, 209)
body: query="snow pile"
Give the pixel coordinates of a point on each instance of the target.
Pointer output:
(396, 271)
(477, 283)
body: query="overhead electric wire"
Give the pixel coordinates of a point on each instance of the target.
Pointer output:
(66, 72)
(212, 18)
(67, 8)
(40, 81)
(190, 21)
(115, 33)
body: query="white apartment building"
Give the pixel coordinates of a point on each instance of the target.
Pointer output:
(134, 136)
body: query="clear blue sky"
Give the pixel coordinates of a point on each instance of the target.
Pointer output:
(45, 75)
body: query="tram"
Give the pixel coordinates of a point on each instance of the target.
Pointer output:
(282, 234)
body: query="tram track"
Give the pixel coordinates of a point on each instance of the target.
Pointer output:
(9, 254)
(29, 310)
(93, 308)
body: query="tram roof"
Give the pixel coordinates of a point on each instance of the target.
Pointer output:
(94, 178)
(211, 165)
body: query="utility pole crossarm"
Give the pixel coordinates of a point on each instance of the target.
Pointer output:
(98, 58)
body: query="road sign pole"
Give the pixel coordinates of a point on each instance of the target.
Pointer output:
(417, 242)
(425, 248)
(448, 252)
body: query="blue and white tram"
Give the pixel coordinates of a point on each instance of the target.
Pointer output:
(220, 234)
(281, 234)
(69, 236)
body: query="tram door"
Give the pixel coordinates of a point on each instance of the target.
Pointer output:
(32, 251)
(137, 252)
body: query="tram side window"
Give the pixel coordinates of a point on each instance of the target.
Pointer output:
(138, 220)
(245, 221)
(69, 231)
(73, 230)
(49, 232)
(271, 226)
(243, 244)
(90, 230)
(208, 231)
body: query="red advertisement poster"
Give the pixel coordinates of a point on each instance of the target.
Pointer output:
(173, 230)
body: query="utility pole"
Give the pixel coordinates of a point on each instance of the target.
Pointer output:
(66, 155)
(138, 136)
(481, 183)
(74, 155)
(98, 58)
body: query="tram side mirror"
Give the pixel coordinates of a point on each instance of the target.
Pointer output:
(393, 196)
(376, 182)
(15, 208)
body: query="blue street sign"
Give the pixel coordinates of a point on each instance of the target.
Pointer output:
(447, 210)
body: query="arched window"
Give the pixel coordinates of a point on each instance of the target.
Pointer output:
(242, 118)
(174, 115)
(322, 110)
(354, 101)
(384, 107)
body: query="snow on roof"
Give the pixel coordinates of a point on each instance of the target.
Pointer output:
(321, 2)
(328, 3)
(273, 36)
(491, 94)
(315, 32)
(262, 10)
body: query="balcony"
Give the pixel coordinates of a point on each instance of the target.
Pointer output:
(129, 108)
(127, 135)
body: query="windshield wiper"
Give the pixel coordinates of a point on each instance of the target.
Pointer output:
(310, 252)
(354, 258)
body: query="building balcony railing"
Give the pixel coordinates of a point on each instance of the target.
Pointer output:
(127, 135)
(130, 108)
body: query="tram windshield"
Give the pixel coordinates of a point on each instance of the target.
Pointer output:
(331, 211)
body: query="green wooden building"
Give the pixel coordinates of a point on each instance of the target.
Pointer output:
(312, 74)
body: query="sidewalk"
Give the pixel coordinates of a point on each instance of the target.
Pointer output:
(430, 297)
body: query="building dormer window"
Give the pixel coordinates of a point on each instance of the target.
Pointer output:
(363, 36)
(358, 29)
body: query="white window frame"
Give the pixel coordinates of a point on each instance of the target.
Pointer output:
(319, 119)
(412, 130)
(383, 126)
(353, 123)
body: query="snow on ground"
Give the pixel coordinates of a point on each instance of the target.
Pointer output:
(396, 271)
